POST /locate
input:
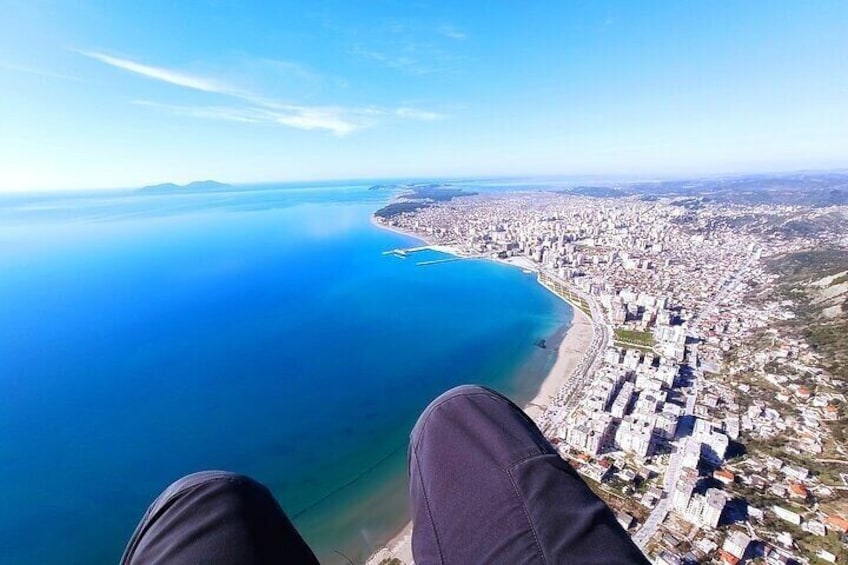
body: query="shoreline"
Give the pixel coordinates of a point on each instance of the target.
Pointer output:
(570, 351)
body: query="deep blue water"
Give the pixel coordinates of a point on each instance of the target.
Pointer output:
(143, 337)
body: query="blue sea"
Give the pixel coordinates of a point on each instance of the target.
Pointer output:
(147, 336)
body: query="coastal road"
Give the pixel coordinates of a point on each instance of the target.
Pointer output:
(569, 393)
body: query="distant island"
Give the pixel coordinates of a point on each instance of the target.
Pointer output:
(196, 186)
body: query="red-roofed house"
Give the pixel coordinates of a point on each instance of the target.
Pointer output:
(727, 558)
(724, 476)
(797, 490)
(836, 523)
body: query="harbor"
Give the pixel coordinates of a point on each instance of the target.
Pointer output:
(404, 253)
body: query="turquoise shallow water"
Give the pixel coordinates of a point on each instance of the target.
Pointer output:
(145, 337)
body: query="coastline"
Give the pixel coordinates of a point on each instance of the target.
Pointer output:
(570, 351)
(447, 249)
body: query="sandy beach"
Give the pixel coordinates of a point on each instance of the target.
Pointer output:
(569, 353)
(574, 344)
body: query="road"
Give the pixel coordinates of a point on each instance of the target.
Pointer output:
(569, 393)
(672, 475)
(675, 463)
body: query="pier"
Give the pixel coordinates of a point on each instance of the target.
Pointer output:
(437, 261)
(403, 252)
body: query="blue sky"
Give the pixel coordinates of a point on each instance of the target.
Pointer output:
(121, 94)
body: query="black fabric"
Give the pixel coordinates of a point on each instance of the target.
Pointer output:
(215, 517)
(487, 487)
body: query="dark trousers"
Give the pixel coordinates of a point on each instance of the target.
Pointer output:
(485, 487)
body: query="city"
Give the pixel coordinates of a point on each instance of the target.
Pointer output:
(698, 412)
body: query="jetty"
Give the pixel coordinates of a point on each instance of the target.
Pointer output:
(403, 252)
(437, 261)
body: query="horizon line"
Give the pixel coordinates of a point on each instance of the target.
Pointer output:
(603, 177)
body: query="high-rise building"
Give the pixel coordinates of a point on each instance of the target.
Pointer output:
(683, 489)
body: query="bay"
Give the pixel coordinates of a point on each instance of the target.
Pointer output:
(143, 337)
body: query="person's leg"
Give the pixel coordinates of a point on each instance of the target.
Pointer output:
(487, 487)
(216, 517)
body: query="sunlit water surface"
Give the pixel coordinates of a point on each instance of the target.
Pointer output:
(143, 337)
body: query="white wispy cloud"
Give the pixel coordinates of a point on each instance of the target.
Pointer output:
(158, 73)
(246, 107)
(341, 121)
(316, 119)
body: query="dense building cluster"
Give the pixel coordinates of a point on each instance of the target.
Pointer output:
(662, 413)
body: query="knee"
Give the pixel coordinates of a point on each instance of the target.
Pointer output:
(448, 405)
(460, 391)
(219, 482)
(205, 477)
